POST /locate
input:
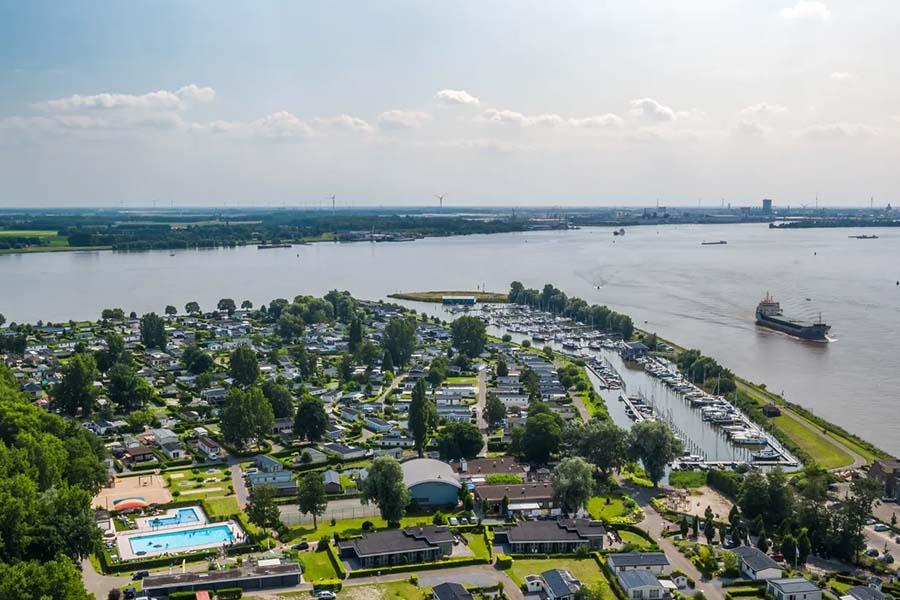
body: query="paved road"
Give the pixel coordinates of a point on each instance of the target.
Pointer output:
(480, 421)
(472, 575)
(654, 524)
(237, 481)
(879, 540)
(98, 584)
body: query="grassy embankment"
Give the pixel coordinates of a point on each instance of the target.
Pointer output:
(803, 428)
(56, 242)
(435, 296)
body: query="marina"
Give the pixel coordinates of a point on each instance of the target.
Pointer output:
(714, 432)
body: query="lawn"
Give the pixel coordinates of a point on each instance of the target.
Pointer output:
(478, 545)
(28, 233)
(461, 380)
(687, 479)
(826, 454)
(599, 509)
(222, 507)
(395, 590)
(634, 539)
(316, 566)
(585, 569)
(352, 526)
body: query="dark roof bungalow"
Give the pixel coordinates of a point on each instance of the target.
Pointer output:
(552, 537)
(427, 543)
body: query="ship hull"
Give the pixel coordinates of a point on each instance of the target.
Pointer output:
(812, 334)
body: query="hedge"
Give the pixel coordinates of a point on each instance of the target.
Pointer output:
(332, 585)
(227, 594)
(182, 596)
(611, 577)
(444, 564)
(744, 583)
(504, 561)
(336, 562)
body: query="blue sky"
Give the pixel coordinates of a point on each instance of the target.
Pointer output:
(515, 102)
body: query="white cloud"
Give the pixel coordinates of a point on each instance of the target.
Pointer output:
(607, 121)
(749, 128)
(216, 127)
(840, 75)
(763, 108)
(281, 125)
(343, 123)
(511, 117)
(837, 131)
(808, 10)
(196, 93)
(403, 119)
(651, 110)
(457, 97)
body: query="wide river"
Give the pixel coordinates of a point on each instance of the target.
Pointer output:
(699, 296)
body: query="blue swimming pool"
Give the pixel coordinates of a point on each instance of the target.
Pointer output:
(154, 543)
(184, 516)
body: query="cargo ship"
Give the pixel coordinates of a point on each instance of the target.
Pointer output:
(768, 314)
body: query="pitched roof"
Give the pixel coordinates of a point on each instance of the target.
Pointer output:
(862, 592)
(633, 579)
(563, 530)
(795, 585)
(391, 541)
(451, 591)
(755, 558)
(560, 582)
(638, 559)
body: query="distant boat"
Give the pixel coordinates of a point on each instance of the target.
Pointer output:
(719, 243)
(271, 246)
(863, 237)
(620, 231)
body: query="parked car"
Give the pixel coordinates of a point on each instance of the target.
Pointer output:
(129, 593)
(882, 527)
(872, 552)
(887, 557)
(454, 521)
(300, 546)
(325, 595)
(138, 575)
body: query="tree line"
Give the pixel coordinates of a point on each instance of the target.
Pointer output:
(551, 299)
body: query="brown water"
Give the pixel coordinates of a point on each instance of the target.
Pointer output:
(699, 296)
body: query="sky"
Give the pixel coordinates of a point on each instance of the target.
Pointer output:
(486, 102)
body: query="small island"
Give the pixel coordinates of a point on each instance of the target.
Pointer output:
(438, 296)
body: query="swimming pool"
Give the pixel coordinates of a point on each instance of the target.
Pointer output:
(155, 543)
(184, 516)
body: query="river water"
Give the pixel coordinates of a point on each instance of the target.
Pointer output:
(699, 296)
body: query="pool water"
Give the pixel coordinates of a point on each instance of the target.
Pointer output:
(177, 540)
(184, 516)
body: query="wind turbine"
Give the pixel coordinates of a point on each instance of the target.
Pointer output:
(440, 198)
(332, 198)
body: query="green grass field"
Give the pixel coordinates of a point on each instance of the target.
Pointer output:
(477, 545)
(634, 539)
(27, 233)
(599, 509)
(825, 453)
(585, 569)
(316, 566)
(351, 526)
(435, 296)
(687, 479)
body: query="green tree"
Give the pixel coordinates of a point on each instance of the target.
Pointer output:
(243, 366)
(196, 360)
(541, 438)
(804, 546)
(854, 512)
(57, 579)
(572, 484)
(437, 371)
(345, 367)
(789, 549)
(311, 421)
(246, 417)
(655, 445)
(422, 415)
(171, 310)
(192, 308)
(399, 338)
(709, 530)
(246, 305)
(311, 498)
(387, 363)
(384, 486)
(279, 397)
(468, 335)
(112, 314)
(599, 441)
(754, 498)
(683, 527)
(128, 391)
(494, 410)
(502, 368)
(261, 508)
(153, 331)
(459, 440)
(113, 353)
(762, 541)
(76, 390)
(356, 334)
(227, 305)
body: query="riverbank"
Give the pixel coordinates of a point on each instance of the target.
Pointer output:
(810, 437)
(436, 296)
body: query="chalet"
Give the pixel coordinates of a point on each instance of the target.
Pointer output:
(387, 547)
(209, 448)
(654, 562)
(450, 591)
(214, 395)
(756, 565)
(887, 473)
(863, 592)
(524, 497)
(479, 468)
(283, 426)
(345, 452)
(266, 463)
(173, 450)
(332, 482)
(551, 537)
(795, 588)
(283, 481)
(378, 425)
(641, 585)
(262, 575)
(138, 454)
(555, 584)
